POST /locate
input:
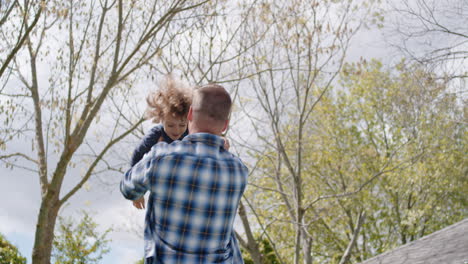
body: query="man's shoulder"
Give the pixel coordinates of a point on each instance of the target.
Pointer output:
(163, 148)
(194, 150)
(238, 161)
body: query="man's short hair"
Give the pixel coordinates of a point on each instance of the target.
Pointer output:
(212, 101)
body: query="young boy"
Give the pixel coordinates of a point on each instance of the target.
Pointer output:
(169, 107)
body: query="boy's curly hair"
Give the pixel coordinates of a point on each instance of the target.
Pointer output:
(173, 97)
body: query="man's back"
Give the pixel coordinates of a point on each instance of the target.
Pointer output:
(195, 187)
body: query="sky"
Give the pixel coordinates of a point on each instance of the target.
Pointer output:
(20, 195)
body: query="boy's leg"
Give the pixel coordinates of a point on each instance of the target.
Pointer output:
(150, 261)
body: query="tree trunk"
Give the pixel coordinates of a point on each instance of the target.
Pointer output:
(306, 248)
(45, 229)
(255, 255)
(297, 250)
(251, 244)
(298, 243)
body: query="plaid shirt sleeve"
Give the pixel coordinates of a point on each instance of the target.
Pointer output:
(136, 182)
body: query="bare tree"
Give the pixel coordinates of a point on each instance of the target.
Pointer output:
(213, 48)
(91, 52)
(432, 33)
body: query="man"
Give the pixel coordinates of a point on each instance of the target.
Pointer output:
(195, 186)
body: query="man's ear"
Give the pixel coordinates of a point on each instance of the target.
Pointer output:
(190, 114)
(226, 124)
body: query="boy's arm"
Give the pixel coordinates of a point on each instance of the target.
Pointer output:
(146, 144)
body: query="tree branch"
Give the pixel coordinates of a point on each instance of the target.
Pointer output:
(347, 254)
(17, 154)
(18, 46)
(91, 168)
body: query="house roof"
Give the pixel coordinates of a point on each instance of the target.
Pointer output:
(448, 246)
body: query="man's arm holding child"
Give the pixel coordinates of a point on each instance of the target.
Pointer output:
(136, 180)
(153, 136)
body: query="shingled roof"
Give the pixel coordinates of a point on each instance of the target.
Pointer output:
(446, 246)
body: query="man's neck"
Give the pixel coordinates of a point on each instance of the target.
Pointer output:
(195, 130)
(205, 126)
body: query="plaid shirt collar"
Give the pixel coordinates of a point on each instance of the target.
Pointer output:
(206, 138)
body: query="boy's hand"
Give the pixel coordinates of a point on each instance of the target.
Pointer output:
(226, 143)
(140, 203)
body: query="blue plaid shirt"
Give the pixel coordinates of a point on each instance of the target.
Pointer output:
(195, 186)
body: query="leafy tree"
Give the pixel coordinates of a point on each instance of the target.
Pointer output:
(9, 254)
(411, 108)
(383, 165)
(406, 114)
(79, 242)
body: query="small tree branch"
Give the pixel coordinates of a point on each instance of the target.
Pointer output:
(19, 155)
(20, 43)
(347, 254)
